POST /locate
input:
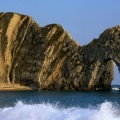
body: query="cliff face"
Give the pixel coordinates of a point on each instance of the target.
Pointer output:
(48, 58)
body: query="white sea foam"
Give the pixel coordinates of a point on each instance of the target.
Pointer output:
(21, 111)
(114, 88)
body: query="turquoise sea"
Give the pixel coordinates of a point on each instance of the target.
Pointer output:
(60, 105)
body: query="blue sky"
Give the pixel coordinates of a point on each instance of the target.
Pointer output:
(83, 19)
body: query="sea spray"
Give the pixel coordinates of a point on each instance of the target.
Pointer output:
(22, 111)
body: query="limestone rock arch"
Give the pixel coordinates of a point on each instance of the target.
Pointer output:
(48, 58)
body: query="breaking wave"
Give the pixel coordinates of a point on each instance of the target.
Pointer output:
(115, 88)
(22, 111)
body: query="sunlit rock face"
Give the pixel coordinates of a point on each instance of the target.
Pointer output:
(48, 58)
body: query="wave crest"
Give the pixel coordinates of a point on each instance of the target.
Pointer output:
(21, 111)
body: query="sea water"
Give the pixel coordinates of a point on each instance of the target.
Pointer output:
(60, 105)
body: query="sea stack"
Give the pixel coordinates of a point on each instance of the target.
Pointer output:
(48, 58)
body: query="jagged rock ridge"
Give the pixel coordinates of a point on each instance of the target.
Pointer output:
(48, 58)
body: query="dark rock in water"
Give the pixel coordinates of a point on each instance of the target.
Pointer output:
(48, 58)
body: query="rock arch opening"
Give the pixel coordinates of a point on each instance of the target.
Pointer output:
(116, 80)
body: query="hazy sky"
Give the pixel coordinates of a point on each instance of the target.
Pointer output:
(83, 19)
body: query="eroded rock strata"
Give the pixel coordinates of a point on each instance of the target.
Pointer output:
(48, 58)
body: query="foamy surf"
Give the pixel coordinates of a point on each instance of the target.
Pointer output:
(21, 111)
(114, 88)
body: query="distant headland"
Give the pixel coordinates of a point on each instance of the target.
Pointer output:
(47, 58)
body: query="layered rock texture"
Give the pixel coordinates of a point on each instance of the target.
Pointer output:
(48, 58)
